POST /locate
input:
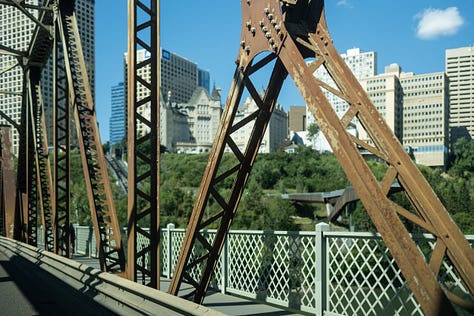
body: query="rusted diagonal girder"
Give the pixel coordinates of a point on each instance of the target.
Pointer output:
(213, 176)
(295, 33)
(104, 218)
(41, 157)
(143, 149)
(26, 212)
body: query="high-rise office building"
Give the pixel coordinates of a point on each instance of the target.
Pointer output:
(117, 117)
(297, 118)
(179, 80)
(181, 77)
(415, 108)
(204, 79)
(425, 117)
(460, 72)
(385, 92)
(362, 65)
(15, 32)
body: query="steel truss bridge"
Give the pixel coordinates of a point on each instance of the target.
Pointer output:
(289, 37)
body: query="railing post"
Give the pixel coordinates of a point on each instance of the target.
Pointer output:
(224, 269)
(169, 227)
(321, 264)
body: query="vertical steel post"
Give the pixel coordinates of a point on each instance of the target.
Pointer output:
(8, 182)
(320, 266)
(143, 141)
(61, 143)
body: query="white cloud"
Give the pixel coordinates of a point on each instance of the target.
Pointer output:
(344, 3)
(436, 22)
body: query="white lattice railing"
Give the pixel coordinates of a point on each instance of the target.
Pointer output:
(321, 272)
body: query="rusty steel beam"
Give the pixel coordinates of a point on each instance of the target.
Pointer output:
(41, 157)
(143, 149)
(61, 156)
(104, 218)
(8, 182)
(26, 207)
(296, 33)
(206, 260)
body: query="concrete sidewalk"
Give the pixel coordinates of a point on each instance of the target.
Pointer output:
(227, 304)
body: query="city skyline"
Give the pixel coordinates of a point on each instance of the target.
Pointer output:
(414, 35)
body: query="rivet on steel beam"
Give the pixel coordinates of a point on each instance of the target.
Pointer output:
(277, 28)
(253, 30)
(265, 29)
(266, 10)
(248, 2)
(270, 16)
(242, 44)
(247, 49)
(249, 24)
(261, 23)
(273, 22)
(271, 41)
(268, 35)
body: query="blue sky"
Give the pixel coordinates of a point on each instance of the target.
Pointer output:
(414, 34)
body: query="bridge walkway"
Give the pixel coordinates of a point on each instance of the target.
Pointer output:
(25, 289)
(227, 304)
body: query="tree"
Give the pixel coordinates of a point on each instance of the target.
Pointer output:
(313, 130)
(106, 147)
(463, 158)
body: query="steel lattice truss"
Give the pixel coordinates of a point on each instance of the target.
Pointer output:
(294, 36)
(104, 218)
(56, 27)
(61, 144)
(143, 97)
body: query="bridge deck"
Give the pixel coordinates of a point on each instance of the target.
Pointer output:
(227, 304)
(28, 290)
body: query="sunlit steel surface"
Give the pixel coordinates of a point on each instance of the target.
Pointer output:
(8, 183)
(143, 149)
(295, 34)
(104, 218)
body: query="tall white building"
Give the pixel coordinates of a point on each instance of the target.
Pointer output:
(276, 133)
(415, 108)
(362, 65)
(460, 72)
(15, 32)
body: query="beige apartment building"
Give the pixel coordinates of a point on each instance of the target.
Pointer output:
(415, 108)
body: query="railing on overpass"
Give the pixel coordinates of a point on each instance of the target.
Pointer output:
(321, 271)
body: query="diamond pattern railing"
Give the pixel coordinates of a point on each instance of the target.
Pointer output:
(358, 275)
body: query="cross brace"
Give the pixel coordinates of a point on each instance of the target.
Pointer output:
(295, 36)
